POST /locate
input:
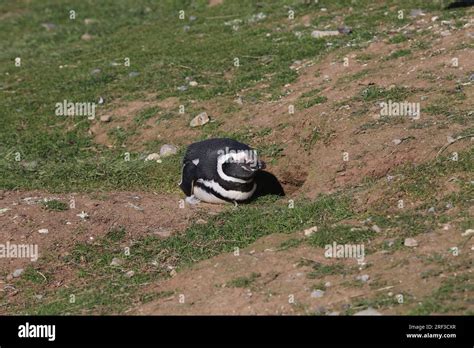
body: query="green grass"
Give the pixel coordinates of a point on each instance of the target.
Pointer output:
(100, 288)
(55, 205)
(243, 282)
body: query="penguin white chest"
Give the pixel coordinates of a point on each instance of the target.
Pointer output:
(205, 189)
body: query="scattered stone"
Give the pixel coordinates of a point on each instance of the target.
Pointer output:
(162, 232)
(317, 293)
(129, 274)
(193, 83)
(39, 297)
(468, 232)
(327, 284)
(317, 34)
(445, 33)
(410, 242)
(3, 210)
(201, 221)
(43, 231)
(450, 139)
(89, 21)
(105, 118)
(48, 26)
(239, 100)
(416, 13)
(168, 150)
(152, 157)
(471, 77)
(86, 37)
(344, 30)
(192, 18)
(368, 311)
(434, 18)
(308, 232)
(116, 262)
(363, 278)
(173, 273)
(431, 210)
(182, 88)
(199, 120)
(397, 141)
(320, 310)
(136, 207)
(257, 17)
(95, 71)
(376, 229)
(16, 273)
(101, 101)
(133, 74)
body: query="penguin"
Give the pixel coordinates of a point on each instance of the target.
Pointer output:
(219, 170)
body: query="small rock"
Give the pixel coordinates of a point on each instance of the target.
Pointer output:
(410, 242)
(152, 157)
(3, 210)
(101, 101)
(199, 120)
(105, 118)
(468, 232)
(133, 74)
(95, 71)
(88, 21)
(327, 284)
(317, 34)
(186, 28)
(471, 77)
(86, 37)
(43, 231)
(193, 83)
(116, 262)
(39, 297)
(445, 33)
(416, 13)
(320, 310)
(368, 311)
(344, 30)
(308, 232)
(182, 88)
(48, 26)
(201, 221)
(192, 18)
(376, 229)
(434, 18)
(431, 210)
(363, 278)
(397, 141)
(317, 293)
(129, 274)
(173, 273)
(168, 150)
(16, 273)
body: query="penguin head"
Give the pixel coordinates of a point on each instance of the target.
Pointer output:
(242, 165)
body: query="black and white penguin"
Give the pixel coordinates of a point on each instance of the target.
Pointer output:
(219, 171)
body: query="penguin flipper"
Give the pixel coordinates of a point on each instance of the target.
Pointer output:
(188, 175)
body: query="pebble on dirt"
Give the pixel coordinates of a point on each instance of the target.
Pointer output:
(168, 150)
(308, 232)
(116, 262)
(368, 311)
(152, 157)
(199, 120)
(410, 242)
(16, 273)
(317, 293)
